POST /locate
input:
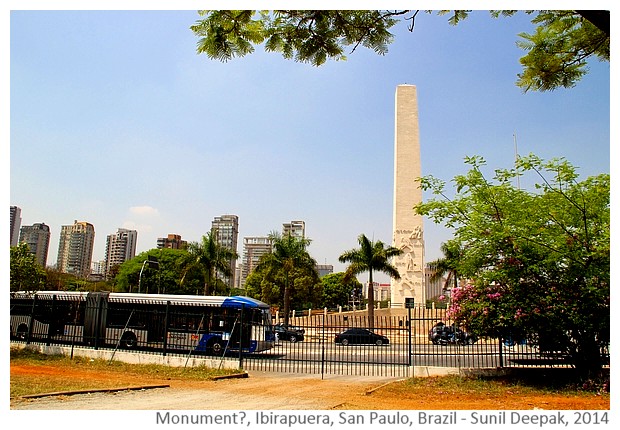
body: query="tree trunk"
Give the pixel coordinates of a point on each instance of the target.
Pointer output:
(587, 358)
(371, 302)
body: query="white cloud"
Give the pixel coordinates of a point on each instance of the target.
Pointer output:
(131, 225)
(143, 211)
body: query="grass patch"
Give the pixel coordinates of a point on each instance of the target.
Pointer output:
(492, 387)
(95, 373)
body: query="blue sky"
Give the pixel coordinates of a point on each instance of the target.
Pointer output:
(115, 120)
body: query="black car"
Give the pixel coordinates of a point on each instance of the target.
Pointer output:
(360, 336)
(292, 328)
(442, 334)
(290, 333)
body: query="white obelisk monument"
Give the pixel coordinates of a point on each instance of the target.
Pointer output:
(408, 228)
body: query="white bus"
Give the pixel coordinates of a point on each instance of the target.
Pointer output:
(156, 322)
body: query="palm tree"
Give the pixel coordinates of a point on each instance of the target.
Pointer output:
(288, 253)
(371, 256)
(447, 265)
(209, 257)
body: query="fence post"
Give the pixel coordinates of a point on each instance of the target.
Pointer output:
(323, 348)
(30, 326)
(501, 352)
(166, 327)
(410, 360)
(51, 322)
(241, 338)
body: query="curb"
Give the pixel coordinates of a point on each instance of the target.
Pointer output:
(233, 376)
(100, 390)
(372, 390)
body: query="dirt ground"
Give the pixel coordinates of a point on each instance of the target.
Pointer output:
(269, 391)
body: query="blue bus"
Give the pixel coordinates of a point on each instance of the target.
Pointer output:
(210, 325)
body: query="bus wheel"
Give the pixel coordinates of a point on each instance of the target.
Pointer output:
(216, 348)
(129, 340)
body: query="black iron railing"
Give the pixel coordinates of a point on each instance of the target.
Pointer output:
(326, 343)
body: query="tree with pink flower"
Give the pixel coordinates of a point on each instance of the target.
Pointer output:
(537, 258)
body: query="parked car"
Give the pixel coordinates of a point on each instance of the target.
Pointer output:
(292, 327)
(290, 333)
(442, 334)
(360, 336)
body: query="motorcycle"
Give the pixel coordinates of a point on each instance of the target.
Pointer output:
(442, 334)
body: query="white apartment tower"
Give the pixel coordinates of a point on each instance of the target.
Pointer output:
(226, 231)
(120, 247)
(16, 220)
(253, 249)
(75, 248)
(295, 229)
(37, 237)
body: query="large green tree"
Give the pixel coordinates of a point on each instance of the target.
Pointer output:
(337, 291)
(557, 51)
(371, 256)
(26, 273)
(209, 257)
(288, 266)
(538, 260)
(165, 277)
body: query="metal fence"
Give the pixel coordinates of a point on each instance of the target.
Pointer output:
(180, 328)
(310, 345)
(414, 340)
(325, 343)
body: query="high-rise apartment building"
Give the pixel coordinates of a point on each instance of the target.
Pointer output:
(173, 241)
(226, 231)
(120, 247)
(324, 269)
(37, 237)
(253, 249)
(75, 248)
(295, 229)
(16, 220)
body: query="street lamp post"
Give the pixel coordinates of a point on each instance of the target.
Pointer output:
(152, 263)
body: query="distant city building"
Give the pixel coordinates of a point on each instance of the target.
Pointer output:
(97, 268)
(120, 247)
(381, 291)
(75, 249)
(238, 275)
(434, 288)
(97, 271)
(294, 228)
(253, 249)
(37, 237)
(16, 221)
(226, 231)
(173, 241)
(324, 269)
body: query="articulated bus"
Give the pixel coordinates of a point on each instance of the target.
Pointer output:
(157, 322)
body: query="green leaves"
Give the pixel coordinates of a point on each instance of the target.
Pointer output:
(557, 51)
(26, 273)
(534, 258)
(309, 36)
(228, 34)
